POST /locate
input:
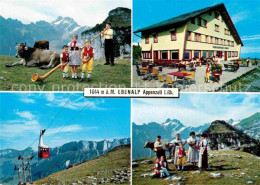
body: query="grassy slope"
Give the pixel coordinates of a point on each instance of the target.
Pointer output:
(232, 168)
(104, 75)
(117, 158)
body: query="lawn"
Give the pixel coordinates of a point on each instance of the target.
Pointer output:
(18, 78)
(234, 167)
(101, 167)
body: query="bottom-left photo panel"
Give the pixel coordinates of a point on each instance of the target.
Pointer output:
(64, 138)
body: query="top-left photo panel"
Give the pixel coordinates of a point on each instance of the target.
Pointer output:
(65, 45)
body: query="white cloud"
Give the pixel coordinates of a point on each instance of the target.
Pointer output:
(15, 130)
(195, 109)
(25, 114)
(242, 15)
(249, 49)
(250, 37)
(85, 12)
(70, 128)
(27, 100)
(60, 101)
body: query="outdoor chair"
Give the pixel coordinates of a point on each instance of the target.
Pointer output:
(170, 82)
(162, 80)
(190, 77)
(155, 73)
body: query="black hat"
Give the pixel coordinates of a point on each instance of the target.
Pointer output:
(158, 136)
(192, 133)
(109, 23)
(204, 134)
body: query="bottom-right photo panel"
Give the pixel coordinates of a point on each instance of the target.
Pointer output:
(196, 139)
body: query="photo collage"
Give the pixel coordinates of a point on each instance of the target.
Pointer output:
(134, 92)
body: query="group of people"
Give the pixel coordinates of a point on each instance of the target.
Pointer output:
(73, 55)
(197, 154)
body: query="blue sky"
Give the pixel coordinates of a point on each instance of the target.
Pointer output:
(244, 14)
(196, 109)
(22, 115)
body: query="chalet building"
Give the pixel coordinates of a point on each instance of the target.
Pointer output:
(203, 33)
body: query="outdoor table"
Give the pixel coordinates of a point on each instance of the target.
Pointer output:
(179, 75)
(149, 72)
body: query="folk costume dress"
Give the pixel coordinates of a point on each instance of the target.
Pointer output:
(75, 56)
(203, 154)
(193, 154)
(176, 143)
(65, 57)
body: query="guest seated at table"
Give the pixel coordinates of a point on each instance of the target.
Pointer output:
(183, 64)
(198, 61)
(236, 66)
(193, 64)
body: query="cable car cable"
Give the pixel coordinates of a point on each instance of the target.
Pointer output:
(53, 119)
(68, 122)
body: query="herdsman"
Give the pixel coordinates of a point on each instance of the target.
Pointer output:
(87, 60)
(109, 44)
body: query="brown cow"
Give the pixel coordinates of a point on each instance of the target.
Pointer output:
(166, 146)
(33, 57)
(41, 44)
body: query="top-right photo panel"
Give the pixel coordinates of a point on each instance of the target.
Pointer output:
(197, 46)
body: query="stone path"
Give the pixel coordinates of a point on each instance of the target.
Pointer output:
(200, 85)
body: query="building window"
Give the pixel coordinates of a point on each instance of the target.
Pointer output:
(216, 27)
(199, 21)
(147, 55)
(236, 53)
(216, 15)
(164, 55)
(175, 55)
(204, 54)
(229, 54)
(147, 39)
(227, 32)
(187, 55)
(155, 38)
(222, 41)
(207, 39)
(232, 53)
(212, 40)
(216, 41)
(211, 53)
(219, 54)
(173, 35)
(197, 37)
(188, 35)
(228, 43)
(232, 43)
(204, 23)
(196, 54)
(193, 20)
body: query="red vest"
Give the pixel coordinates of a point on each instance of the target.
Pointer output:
(66, 57)
(88, 52)
(207, 70)
(181, 152)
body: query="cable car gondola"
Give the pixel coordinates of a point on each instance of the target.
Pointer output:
(43, 150)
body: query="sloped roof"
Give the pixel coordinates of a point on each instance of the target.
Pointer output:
(185, 17)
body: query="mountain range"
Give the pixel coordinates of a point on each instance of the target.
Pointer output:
(60, 158)
(169, 128)
(58, 33)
